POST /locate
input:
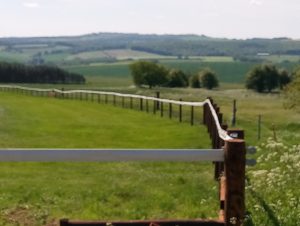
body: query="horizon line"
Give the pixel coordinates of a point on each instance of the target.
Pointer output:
(141, 33)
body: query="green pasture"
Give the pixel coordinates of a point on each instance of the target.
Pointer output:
(14, 57)
(119, 54)
(41, 193)
(138, 190)
(281, 58)
(227, 72)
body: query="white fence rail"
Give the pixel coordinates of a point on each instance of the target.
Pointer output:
(110, 155)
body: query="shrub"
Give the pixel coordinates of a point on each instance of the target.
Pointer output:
(176, 78)
(194, 81)
(208, 79)
(263, 77)
(148, 73)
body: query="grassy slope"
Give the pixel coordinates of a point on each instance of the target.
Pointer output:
(41, 192)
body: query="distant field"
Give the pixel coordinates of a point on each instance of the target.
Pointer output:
(228, 72)
(119, 54)
(14, 57)
(281, 58)
(105, 70)
(212, 58)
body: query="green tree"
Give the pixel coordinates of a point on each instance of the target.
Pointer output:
(176, 78)
(263, 77)
(208, 78)
(292, 91)
(148, 73)
(194, 81)
(284, 78)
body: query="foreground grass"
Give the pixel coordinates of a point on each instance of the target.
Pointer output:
(41, 193)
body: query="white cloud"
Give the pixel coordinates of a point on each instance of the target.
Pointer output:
(31, 4)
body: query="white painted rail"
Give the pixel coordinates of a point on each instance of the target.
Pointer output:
(111, 155)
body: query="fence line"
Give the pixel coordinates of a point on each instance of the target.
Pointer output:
(229, 155)
(222, 133)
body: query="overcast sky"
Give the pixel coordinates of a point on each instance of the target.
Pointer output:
(216, 18)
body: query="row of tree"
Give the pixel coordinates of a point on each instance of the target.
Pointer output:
(19, 73)
(267, 77)
(151, 74)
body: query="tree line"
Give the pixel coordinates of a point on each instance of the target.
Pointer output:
(19, 73)
(147, 73)
(266, 77)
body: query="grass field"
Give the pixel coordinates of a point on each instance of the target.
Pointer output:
(41, 193)
(281, 58)
(114, 197)
(119, 54)
(227, 72)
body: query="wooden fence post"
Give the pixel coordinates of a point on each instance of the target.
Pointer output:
(205, 114)
(141, 104)
(234, 109)
(234, 172)
(157, 102)
(161, 109)
(131, 103)
(170, 110)
(123, 102)
(64, 222)
(192, 115)
(180, 111)
(147, 105)
(259, 127)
